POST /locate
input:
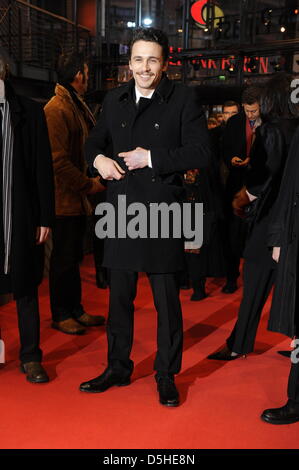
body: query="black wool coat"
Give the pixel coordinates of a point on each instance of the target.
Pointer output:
(32, 194)
(263, 179)
(284, 232)
(172, 126)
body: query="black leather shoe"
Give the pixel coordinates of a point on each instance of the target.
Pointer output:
(285, 353)
(108, 379)
(168, 394)
(230, 287)
(225, 355)
(287, 414)
(35, 372)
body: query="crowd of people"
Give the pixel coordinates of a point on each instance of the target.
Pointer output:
(151, 144)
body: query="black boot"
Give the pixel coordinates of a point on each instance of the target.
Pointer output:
(230, 287)
(199, 291)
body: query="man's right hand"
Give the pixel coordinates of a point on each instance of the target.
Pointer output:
(109, 169)
(276, 253)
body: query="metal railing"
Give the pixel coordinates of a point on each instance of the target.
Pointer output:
(34, 37)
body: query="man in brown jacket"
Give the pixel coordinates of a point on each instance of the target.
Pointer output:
(69, 122)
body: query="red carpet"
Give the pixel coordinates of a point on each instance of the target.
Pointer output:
(221, 403)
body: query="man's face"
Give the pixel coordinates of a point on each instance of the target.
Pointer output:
(252, 111)
(147, 65)
(229, 111)
(81, 81)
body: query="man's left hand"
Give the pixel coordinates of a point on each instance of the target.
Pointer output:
(135, 159)
(42, 234)
(236, 161)
(240, 201)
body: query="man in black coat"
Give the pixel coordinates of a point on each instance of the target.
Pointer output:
(157, 130)
(236, 144)
(27, 203)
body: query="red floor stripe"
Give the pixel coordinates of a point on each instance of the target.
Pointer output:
(221, 402)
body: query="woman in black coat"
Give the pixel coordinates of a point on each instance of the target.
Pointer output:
(283, 236)
(262, 182)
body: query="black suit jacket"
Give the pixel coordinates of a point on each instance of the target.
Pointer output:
(173, 127)
(234, 145)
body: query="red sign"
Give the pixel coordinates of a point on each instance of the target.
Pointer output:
(197, 11)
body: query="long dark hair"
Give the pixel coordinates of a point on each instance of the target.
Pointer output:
(276, 102)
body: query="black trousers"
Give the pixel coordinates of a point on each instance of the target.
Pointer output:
(120, 323)
(29, 328)
(293, 384)
(235, 235)
(64, 275)
(258, 279)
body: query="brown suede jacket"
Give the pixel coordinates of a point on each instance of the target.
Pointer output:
(68, 128)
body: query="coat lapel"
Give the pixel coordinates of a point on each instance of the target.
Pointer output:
(127, 100)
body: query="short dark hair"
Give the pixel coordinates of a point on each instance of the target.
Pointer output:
(69, 65)
(276, 100)
(4, 63)
(251, 95)
(230, 103)
(151, 35)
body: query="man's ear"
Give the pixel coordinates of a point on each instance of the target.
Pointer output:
(78, 75)
(165, 66)
(130, 66)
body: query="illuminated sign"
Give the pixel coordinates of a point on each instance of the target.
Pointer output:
(199, 12)
(251, 64)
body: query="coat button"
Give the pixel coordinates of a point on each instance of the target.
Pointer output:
(123, 124)
(157, 126)
(295, 204)
(153, 179)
